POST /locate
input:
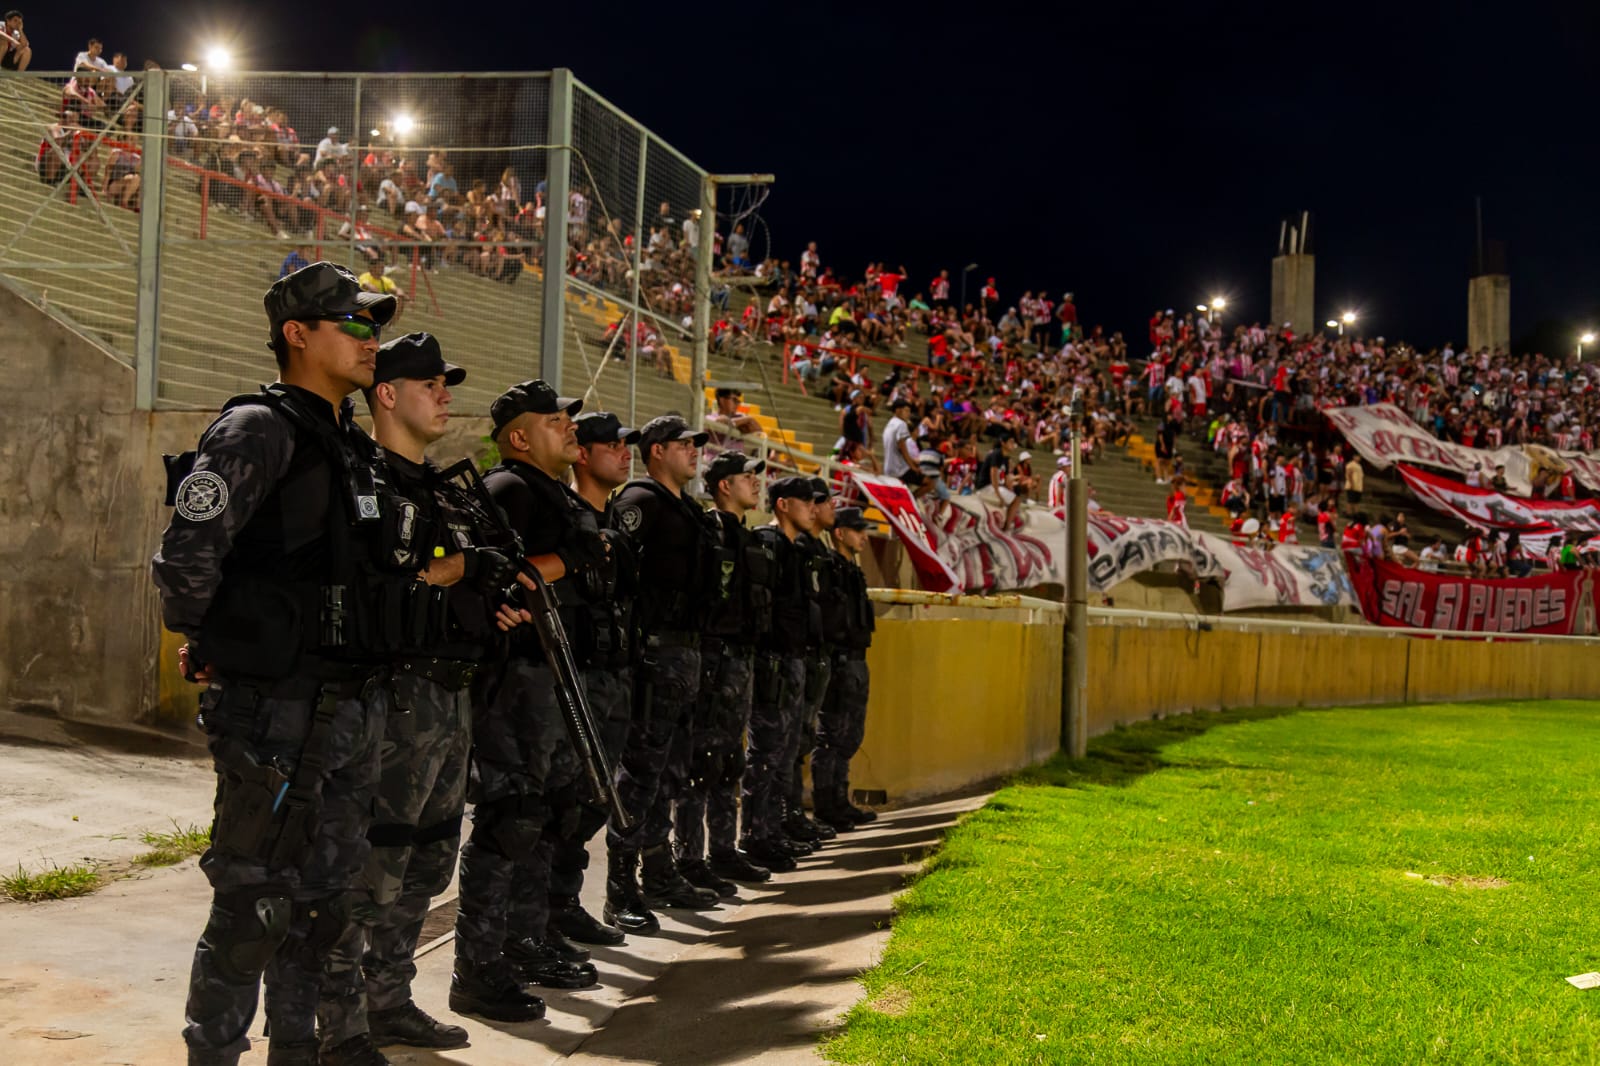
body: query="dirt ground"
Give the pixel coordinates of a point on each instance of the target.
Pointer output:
(100, 979)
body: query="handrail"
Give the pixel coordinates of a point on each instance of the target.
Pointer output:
(1198, 621)
(855, 356)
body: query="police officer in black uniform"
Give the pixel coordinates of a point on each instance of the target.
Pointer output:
(819, 663)
(452, 628)
(780, 678)
(521, 755)
(708, 810)
(843, 720)
(673, 540)
(607, 642)
(271, 567)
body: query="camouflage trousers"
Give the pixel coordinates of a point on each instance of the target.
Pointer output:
(819, 672)
(611, 699)
(656, 757)
(840, 727)
(709, 804)
(416, 828)
(517, 738)
(778, 701)
(278, 904)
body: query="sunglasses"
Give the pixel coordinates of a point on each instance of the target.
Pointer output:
(362, 329)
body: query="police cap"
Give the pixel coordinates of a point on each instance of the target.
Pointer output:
(415, 357)
(530, 397)
(323, 290)
(790, 488)
(819, 490)
(666, 428)
(727, 465)
(850, 518)
(603, 427)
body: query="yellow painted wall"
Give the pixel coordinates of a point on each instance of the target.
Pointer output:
(958, 701)
(954, 702)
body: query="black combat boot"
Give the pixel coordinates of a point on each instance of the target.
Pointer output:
(357, 1051)
(664, 886)
(774, 854)
(861, 815)
(537, 963)
(568, 918)
(491, 991)
(412, 1026)
(564, 947)
(625, 907)
(734, 866)
(699, 874)
(292, 1054)
(799, 827)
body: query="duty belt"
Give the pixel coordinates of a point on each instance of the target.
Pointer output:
(452, 674)
(672, 638)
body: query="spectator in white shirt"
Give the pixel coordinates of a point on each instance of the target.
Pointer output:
(898, 456)
(330, 147)
(90, 58)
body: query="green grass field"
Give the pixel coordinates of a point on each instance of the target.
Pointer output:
(1372, 885)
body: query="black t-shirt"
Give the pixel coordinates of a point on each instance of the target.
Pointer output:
(995, 460)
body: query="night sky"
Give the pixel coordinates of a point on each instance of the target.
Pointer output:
(1137, 155)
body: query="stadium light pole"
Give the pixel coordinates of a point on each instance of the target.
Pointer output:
(702, 285)
(969, 268)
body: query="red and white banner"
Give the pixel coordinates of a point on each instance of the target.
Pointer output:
(1489, 509)
(1397, 596)
(1384, 435)
(979, 544)
(891, 496)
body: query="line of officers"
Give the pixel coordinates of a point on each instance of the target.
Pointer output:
(362, 622)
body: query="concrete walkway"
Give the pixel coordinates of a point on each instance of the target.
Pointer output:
(101, 979)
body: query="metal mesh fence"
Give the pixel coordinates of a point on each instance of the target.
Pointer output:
(426, 186)
(436, 187)
(70, 170)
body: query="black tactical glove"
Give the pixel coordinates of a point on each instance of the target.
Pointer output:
(487, 569)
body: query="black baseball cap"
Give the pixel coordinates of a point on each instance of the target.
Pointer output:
(323, 290)
(603, 427)
(819, 490)
(727, 465)
(790, 488)
(850, 518)
(665, 428)
(415, 357)
(530, 397)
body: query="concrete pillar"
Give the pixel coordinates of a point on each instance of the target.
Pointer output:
(1294, 280)
(1489, 312)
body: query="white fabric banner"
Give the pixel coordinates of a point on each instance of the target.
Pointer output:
(1384, 435)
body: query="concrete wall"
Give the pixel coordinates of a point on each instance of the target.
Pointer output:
(1294, 283)
(972, 697)
(1489, 312)
(80, 515)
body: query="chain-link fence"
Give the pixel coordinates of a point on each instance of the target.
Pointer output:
(445, 189)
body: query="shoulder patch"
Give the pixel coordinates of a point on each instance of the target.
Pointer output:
(629, 517)
(201, 496)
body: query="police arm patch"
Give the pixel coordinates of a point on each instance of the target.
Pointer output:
(201, 496)
(630, 517)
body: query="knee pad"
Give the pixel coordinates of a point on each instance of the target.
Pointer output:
(245, 930)
(324, 921)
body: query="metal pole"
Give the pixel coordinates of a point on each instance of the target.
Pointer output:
(638, 254)
(553, 312)
(1075, 642)
(702, 301)
(355, 174)
(152, 188)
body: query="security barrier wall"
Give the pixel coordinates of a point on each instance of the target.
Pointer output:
(967, 698)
